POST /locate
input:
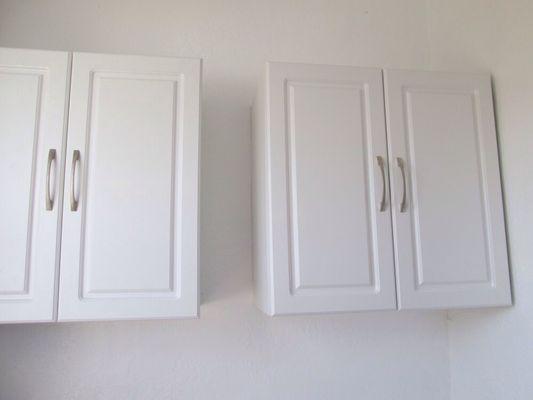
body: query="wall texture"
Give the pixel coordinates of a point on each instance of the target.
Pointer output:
(491, 351)
(233, 351)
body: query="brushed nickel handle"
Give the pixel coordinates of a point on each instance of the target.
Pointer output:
(403, 205)
(49, 195)
(73, 200)
(382, 204)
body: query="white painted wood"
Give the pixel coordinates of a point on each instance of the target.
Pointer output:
(130, 249)
(261, 203)
(33, 93)
(450, 243)
(324, 243)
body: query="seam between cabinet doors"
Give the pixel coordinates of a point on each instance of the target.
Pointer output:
(61, 187)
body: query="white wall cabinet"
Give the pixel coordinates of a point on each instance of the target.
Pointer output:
(329, 236)
(123, 231)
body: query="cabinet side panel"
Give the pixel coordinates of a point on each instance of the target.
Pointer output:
(262, 290)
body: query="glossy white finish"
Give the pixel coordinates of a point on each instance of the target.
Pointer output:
(450, 242)
(33, 93)
(325, 246)
(129, 251)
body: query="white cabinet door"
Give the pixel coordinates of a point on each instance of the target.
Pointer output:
(33, 92)
(329, 209)
(129, 239)
(449, 237)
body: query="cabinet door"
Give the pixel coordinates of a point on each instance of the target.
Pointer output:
(449, 236)
(33, 90)
(330, 215)
(129, 238)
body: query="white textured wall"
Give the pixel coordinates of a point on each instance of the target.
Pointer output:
(491, 351)
(233, 351)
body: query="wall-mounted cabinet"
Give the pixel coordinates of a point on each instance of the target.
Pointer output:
(331, 234)
(102, 215)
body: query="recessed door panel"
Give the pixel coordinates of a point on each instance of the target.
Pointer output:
(446, 180)
(131, 153)
(450, 240)
(134, 121)
(327, 124)
(20, 106)
(32, 101)
(328, 178)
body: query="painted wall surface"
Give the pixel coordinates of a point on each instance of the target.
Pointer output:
(233, 351)
(491, 351)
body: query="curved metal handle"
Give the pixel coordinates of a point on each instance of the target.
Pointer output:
(382, 204)
(73, 200)
(403, 205)
(49, 197)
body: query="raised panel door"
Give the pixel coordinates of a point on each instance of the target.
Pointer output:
(331, 228)
(33, 93)
(449, 235)
(130, 226)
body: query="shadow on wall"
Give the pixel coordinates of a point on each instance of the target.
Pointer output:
(225, 229)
